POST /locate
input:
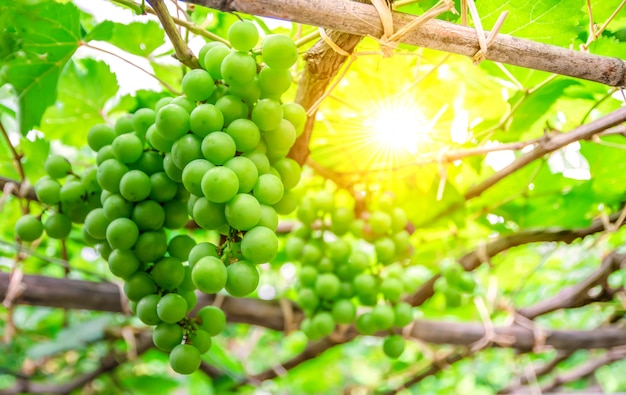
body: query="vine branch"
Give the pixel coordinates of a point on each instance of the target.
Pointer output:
(183, 53)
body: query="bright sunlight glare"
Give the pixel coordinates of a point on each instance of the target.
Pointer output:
(399, 128)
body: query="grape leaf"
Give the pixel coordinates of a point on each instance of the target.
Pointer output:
(549, 21)
(71, 116)
(136, 37)
(49, 33)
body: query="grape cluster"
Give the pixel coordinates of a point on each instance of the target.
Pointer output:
(455, 283)
(66, 197)
(348, 262)
(216, 155)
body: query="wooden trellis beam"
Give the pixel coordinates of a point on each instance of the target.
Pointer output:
(362, 19)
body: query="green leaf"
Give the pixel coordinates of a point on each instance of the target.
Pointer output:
(84, 88)
(136, 37)
(49, 33)
(549, 21)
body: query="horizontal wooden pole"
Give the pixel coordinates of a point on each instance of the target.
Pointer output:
(76, 294)
(362, 19)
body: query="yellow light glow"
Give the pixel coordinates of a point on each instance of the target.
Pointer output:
(398, 129)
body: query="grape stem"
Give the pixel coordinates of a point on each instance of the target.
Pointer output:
(183, 52)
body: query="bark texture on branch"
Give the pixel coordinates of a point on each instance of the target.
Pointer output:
(55, 292)
(362, 19)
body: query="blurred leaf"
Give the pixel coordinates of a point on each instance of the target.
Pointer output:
(84, 88)
(136, 37)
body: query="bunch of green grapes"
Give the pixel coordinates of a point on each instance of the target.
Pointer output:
(342, 270)
(455, 284)
(66, 198)
(216, 155)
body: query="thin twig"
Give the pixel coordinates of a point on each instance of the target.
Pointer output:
(183, 53)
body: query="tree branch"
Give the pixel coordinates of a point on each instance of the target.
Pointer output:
(552, 143)
(579, 294)
(21, 190)
(473, 259)
(183, 53)
(362, 19)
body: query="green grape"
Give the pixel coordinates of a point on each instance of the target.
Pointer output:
(172, 308)
(269, 218)
(200, 339)
(267, 114)
(220, 184)
(211, 319)
(167, 336)
(162, 188)
(139, 285)
(244, 133)
(218, 147)
(287, 204)
(198, 85)
(339, 251)
(90, 181)
(100, 135)
(393, 346)
(296, 114)
(209, 274)
(148, 215)
(208, 215)
(290, 173)
(48, 190)
(123, 263)
(162, 103)
(342, 218)
(391, 288)
(172, 171)
(308, 275)
(122, 233)
(383, 316)
(28, 228)
(343, 311)
(250, 92)
(193, 173)
(72, 192)
(142, 120)
(187, 284)
(364, 284)
(308, 299)
(403, 313)
(77, 213)
(324, 201)
(243, 278)
(57, 166)
(325, 265)
(127, 148)
(110, 173)
(150, 162)
(280, 140)
(231, 107)
(201, 250)
(259, 245)
(172, 121)
(205, 49)
(104, 249)
(365, 324)
(135, 186)
(243, 212)
(206, 119)
(346, 291)
(213, 60)
(401, 241)
(124, 124)
(399, 219)
(150, 246)
(323, 323)
(190, 297)
(385, 249)
(115, 206)
(279, 51)
(168, 273)
(180, 246)
(184, 102)
(185, 359)
(158, 141)
(147, 309)
(175, 214)
(268, 189)
(327, 286)
(380, 222)
(238, 68)
(96, 222)
(186, 149)
(88, 240)
(294, 248)
(274, 82)
(246, 171)
(311, 254)
(260, 160)
(309, 330)
(243, 35)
